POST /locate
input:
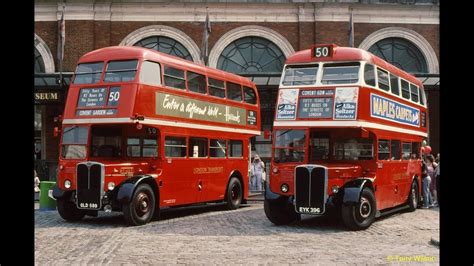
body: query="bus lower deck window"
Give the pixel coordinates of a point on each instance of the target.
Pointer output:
(175, 147)
(197, 147)
(235, 148)
(384, 149)
(218, 148)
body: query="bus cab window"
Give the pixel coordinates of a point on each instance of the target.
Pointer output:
(197, 82)
(289, 145)
(121, 71)
(197, 147)
(174, 78)
(74, 142)
(106, 142)
(384, 149)
(88, 73)
(150, 73)
(340, 73)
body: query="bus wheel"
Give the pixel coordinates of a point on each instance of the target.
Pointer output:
(234, 194)
(140, 209)
(68, 211)
(280, 212)
(361, 215)
(413, 197)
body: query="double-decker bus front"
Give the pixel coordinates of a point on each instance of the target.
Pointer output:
(131, 144)
(331, 152)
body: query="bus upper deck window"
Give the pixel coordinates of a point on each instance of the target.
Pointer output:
(414, 93)
(197, 82)
(174, 78)
(369, 75)
(88, 73)
(150, 73)
(405, 89)
(121, 71)
(422, 96)
(340, 73)
(300, 75)
(394, 86)
(383, 80)
(216, 88)
(234, 92)
(249, 95)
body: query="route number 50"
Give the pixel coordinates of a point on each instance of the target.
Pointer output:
(321, 51)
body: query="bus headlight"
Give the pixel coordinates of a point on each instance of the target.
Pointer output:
(275, 170)
(111, 185)
(284, 188)
(335, 189)
(67, 184)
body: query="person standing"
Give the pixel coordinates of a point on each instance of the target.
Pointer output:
(257, 170)
(426, 181)
(431, 169)
(437, 175)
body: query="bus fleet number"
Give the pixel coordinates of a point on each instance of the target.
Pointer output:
(321, 51)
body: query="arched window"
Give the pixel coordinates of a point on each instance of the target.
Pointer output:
(400, 53)
(165, 45)
(39, 63)
(251, 54)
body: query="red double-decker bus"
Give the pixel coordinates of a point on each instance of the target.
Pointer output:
(143, 131)
(347, 136)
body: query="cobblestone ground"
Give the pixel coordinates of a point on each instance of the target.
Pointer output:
(212, 235)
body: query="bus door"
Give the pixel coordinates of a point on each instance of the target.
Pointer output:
(199, 163)
(180, 185)
(387, 173)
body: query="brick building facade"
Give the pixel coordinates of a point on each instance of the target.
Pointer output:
(290, 25)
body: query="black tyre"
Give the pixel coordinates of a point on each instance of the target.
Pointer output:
(413, 197)
(234, 194)
(280, 212)
(361, 215)
(140, 209)
(68, 210)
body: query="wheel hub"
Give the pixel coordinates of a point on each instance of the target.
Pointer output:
(364, 209)
(142, 204)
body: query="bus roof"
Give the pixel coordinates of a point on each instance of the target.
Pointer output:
(351, 54)
(130, 52)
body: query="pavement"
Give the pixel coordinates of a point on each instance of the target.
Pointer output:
(212, 235)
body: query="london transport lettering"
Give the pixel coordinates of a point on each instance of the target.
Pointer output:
(384, 108)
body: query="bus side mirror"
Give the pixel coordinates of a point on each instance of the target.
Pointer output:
(56, 131)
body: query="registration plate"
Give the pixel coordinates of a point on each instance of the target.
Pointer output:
(309, 210)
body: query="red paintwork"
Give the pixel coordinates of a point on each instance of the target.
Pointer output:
(179, 177)
(393, 180)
